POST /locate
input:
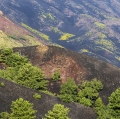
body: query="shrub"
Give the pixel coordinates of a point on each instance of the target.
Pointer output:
(22, 38)
(4, 54)
(112, 110)
(37, 96)
(2, 84)
(48, 92)
(89, 92)
(27, 75)
(114, 104)
(12, 59)
(13, 37)
(94, 84)
(20, 109)
(21, 71)
(56, 76)
(4, 115)
(101, 110)
(86, 96)
(68, 90)
(58, 112)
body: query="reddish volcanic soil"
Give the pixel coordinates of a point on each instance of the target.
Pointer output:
(74, 65)
(10, 27)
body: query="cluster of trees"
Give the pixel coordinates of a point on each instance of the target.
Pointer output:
(110, 111)
(85, 93)
(21, 71)
(23, 109)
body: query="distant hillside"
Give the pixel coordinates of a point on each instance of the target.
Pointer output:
(91, 27)
(13, 35)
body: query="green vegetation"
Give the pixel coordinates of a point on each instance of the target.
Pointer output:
(112, 110)
(47, 92)
(22, 38)
(48, 15)
(89, 92)
(68, 91)
(6, 42)
(31, 40)
(2, 84)
(117, 57)
(56, 76)
(100, 25)
(66, 36)
(101, 109)
(27, 75)
(37, 96)
(13, 37)
(56, 30)
(36, 32)
(85, 93)
(12, 59)
(16, 38)
(102, 35)
(114, 104)
(20, 109)
(44, 16)
(58, 112)
(86, 15)
(19, 70)
(84, 50)
(106, 43)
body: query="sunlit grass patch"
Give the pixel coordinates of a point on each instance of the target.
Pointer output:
(100, 25)
(46, 37)
(84, 50)
(66, 36)
(105, 43)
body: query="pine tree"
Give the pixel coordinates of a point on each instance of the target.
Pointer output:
(58, 112)
(20, 109)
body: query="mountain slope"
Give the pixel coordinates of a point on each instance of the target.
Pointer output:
(10, 92)
(74, 65)
(88, 26)
(13, 35)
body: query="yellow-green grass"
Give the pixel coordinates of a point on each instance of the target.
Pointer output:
(100, 25)
(66, 36)
(6, 42)
(46, 37)
(105, 43)
(84, 50)
(102, 35)
(117, 57)
(32, 41)
(56, 30)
